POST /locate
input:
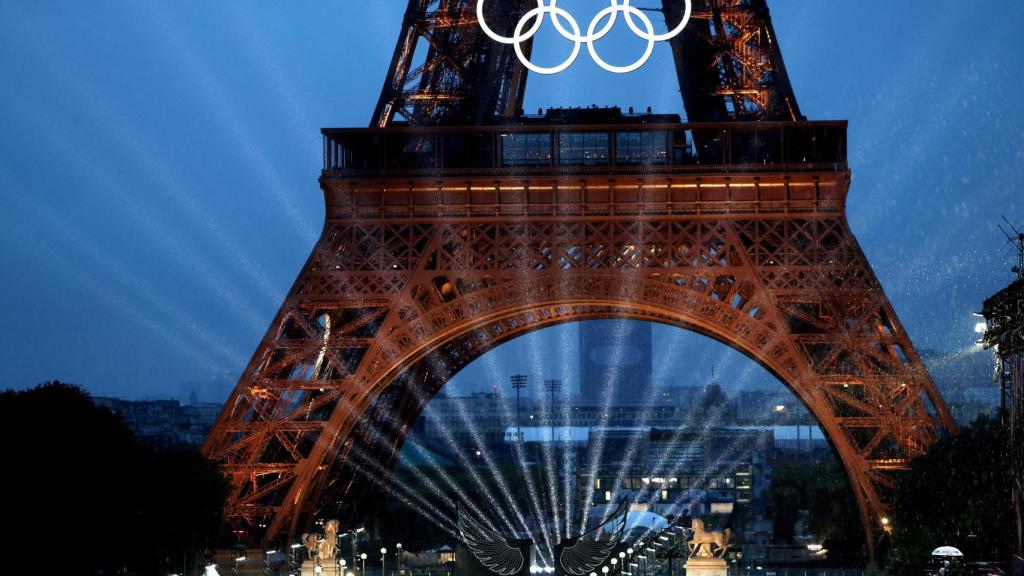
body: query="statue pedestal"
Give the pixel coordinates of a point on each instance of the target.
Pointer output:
(309, 568)
(706, 567)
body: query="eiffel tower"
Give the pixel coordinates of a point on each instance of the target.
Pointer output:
(455, 223)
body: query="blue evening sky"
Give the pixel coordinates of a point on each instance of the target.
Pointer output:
(158, 166)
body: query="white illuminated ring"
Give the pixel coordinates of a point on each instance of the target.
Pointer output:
(535, 19)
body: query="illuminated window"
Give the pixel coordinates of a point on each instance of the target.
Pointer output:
(583, 148)
(641, 148)
(721, 507)
(608, 495)
(525, 149)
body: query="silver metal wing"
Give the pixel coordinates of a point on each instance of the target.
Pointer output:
(489, 547)
(588, 552)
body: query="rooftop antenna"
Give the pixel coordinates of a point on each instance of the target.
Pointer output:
(1016, 240)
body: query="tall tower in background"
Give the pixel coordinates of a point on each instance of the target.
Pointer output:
(615, 361)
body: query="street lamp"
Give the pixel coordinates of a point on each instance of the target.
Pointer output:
(355, 542)
(643, 556)
(363, 558)
(267, 559)
(398, 561)
(383, 557)
(295, 562)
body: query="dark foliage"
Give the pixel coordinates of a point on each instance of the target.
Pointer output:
(956, 494)
(823, 490)
(86, 497)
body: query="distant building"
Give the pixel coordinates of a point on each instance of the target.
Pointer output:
(678, 395)
(615, 362)
(577, 435)
(165, 422)
(767, 407)
(693, 470)
(465, 420)
(631, 415)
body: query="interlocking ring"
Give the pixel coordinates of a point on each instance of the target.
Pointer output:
(535, 19)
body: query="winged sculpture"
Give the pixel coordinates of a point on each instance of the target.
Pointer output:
(578, 556)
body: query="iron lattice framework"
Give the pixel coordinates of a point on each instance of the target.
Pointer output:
(441, 243)
(729, 63)
(464, 77)
(1004, 318)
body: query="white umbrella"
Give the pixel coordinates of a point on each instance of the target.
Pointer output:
(947, 551)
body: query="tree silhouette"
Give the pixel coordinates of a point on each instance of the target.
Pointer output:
(956, 494)
(89, 498)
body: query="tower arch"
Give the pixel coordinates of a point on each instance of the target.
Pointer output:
(455, 222)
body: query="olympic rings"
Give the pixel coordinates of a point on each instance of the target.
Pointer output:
(609, 16)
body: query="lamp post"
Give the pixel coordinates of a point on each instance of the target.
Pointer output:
(518, 383)
(383, 558)
(363, 558)
(266, 560)
(553, 386)
(355, 543)
(398, 558)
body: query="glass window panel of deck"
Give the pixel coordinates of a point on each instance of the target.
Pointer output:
(645, 148)
(526, 149)
(583, 148)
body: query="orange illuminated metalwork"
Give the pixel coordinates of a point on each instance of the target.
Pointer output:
(444, 239)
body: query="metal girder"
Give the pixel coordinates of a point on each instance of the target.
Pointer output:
(470, 284)
(729, 63)
(417, 274)
(464, 77)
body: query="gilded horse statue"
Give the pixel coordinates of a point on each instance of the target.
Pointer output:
(328, 545)
(310, 541)
(706, 544)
